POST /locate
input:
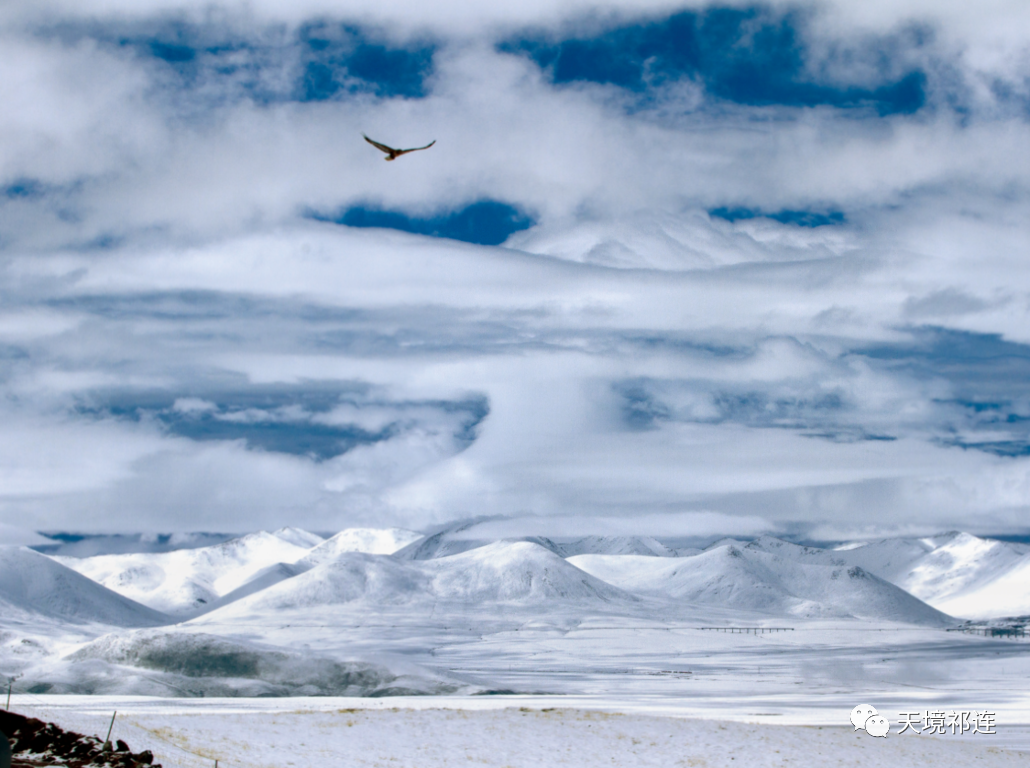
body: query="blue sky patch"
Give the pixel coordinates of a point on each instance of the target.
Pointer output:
(290, 419)
(800, 218)
(318, 62)
(487, 222)
(749, 56)
(22, 189)
(648, 402)
(171, 52)
(987, 375)
(340, 59)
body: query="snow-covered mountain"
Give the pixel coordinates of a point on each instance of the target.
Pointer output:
(456, 540)
(446, 544)
(299, 537)
(616, 545)
(755, 580)
(187, 582)
(520, 571)
(957, 573)
(33, 585)
(378, 598)
(503, 572)
(953, 565)
(374, 541)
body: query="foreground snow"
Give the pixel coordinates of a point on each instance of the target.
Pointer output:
(488, 732)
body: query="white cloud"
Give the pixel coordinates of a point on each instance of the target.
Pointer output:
(158, 244)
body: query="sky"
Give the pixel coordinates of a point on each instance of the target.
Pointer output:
(670, 268)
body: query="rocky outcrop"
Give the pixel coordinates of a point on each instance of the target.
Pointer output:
(35, 743)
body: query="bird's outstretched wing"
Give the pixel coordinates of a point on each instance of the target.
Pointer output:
(416, 149)
(383, 147)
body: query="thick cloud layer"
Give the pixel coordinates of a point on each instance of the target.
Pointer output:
(762, 267)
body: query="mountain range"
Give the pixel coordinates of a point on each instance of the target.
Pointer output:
(239, 613)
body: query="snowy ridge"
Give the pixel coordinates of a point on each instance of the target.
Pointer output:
(284, 620)
(521, 571)
(373, 541)
(957, 573)
(34, 584)
(504, 572)
(451, 542)
(759, 581)
(448, 543)
(616, 545)
(187, 582)
(299, 537)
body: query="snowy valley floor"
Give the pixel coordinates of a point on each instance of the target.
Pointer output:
(432, 732)
(616, 691)
(599, 690)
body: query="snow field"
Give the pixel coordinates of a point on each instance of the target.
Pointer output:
(355, 733)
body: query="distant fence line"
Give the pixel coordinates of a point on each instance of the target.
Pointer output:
(992, 631)
(746, 630)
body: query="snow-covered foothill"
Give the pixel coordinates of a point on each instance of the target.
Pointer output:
(176, 663)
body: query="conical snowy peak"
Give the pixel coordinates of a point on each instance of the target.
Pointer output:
(515, 571)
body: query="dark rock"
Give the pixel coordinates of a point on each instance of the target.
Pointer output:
(64, 748)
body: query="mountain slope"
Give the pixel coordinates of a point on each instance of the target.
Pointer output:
(186, 582)
(520, 571)
(754, 580)
(616, 545)
(448, 543)
(955, 572)
(503, 572)
(373, 541)
(299, 537)
(32, 583)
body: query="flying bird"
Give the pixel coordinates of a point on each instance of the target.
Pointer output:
(393, 154)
